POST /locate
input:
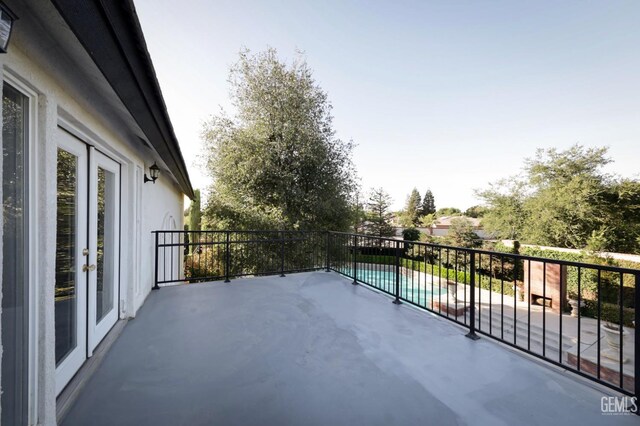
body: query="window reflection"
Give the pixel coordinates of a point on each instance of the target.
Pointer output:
(14, 257)
(65, 290)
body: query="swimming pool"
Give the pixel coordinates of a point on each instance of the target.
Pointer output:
(417, 287)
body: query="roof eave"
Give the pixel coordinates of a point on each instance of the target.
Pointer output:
(111, 34)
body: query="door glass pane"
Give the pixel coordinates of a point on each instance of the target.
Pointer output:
(14, 276)
(65, 296)
(106, 243)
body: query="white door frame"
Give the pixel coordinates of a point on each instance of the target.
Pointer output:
(72, 362)
(105, 144)
(90, 333)
(96, 332)
(33, 229)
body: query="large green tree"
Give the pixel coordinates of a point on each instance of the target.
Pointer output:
(277, 162)
(506, 215)
(428, 204)
(461, 233)
(411, 212)
(566, 199)
(378, 214)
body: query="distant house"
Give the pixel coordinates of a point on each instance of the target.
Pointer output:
(441, 227)
(84, 127)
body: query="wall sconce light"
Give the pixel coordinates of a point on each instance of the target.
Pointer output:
(7, 17)
(154, 172)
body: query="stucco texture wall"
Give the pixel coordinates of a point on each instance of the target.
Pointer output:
(70, 102)
(162, 209)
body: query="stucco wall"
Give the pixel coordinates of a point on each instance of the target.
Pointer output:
(60, 103)
(161, 208)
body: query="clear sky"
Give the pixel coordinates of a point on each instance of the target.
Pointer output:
(447, 95)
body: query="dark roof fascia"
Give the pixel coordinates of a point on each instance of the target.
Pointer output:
(111, 34)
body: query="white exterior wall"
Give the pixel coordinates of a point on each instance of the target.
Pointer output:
(144, 206)
(164, 207)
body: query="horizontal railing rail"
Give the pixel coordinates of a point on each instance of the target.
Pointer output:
(576, 315)
(200, 256)
(515, 255)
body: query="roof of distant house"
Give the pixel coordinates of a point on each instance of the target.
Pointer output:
(446, 220)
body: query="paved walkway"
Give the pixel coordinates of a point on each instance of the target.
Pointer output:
(312, 349)
(522, 325)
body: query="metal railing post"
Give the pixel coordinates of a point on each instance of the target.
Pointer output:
(281, 254)
(156, 286)
(397, 298)
(227, 258)
(355, 260)
(472, 299)
(636, 365)
(328, 269)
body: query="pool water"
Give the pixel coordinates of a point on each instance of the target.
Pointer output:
(413, 288)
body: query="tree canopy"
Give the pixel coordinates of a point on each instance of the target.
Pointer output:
(378, 214)
(412, 209)
(461, 233)
(277, 163)
(448, 211)
(565, 199)
(475, 211)
(411, 234)
(428, 204)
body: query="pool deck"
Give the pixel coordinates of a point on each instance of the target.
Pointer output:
(313, 349)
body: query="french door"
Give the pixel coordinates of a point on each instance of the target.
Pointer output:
(87, 252)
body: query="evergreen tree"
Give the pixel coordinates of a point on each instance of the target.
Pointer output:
(378, 214)
(412, 208)
(194, 212)
(428, 204)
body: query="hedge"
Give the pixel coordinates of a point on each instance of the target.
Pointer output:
(460, 276)
(609, 304)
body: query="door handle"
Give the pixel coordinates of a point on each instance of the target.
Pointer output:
(85, 252)
(86, 268)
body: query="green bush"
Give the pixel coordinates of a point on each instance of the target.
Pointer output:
(492, 276)
(610, 313)
(204, 262)
(588, 277)
(461, 276)
(411, 234)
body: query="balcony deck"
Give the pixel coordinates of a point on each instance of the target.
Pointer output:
(313, 349)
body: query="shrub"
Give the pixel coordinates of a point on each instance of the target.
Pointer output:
(461, 276)
(411, 234)
(610, 312)
(588, 277)
(204, 262)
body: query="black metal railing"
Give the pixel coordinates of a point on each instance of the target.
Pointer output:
(201, 256)
(575, 315)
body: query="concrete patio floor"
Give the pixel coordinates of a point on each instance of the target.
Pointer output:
(313, 349)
